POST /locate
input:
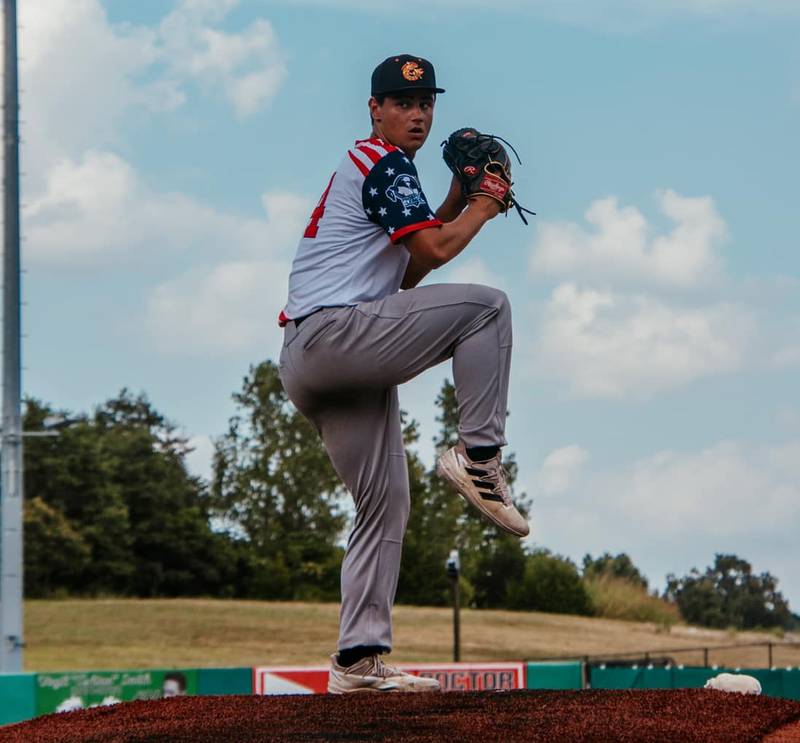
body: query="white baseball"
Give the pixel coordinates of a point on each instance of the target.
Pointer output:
(736, 682)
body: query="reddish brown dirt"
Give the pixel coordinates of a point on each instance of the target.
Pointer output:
(687, 715)
(787, 734)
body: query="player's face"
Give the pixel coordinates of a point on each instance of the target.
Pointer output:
(171, 688)
(404, 119)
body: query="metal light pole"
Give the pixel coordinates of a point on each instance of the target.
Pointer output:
(11, 439)
(453, 568)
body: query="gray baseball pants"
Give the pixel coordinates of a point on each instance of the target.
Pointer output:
(341, 368)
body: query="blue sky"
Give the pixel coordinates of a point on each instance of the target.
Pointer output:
(173, 151)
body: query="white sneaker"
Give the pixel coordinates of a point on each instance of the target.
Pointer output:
(372, 674)
(483, 484)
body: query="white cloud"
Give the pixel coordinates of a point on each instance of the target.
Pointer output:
(560, 470)
(788, 417)
(622, 246)
(77, 80)
(231, 306)
(725, 6)
(96, 210)
(98, 214)
(653, 6)
(787, 357)
(83, 79)
(612, 345)
(287, 215)
(87, 206)
(470, 271)
(617, 15)
(673, 510)
(247, 66)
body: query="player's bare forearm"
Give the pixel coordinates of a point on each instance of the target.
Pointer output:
(435, 246)
(453, 204)
(414, 274)
(451, 208)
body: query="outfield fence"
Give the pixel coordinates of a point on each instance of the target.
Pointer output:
(709, 656)
(27, 695)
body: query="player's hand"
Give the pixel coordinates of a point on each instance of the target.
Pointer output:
(486, 204)
(482, 166)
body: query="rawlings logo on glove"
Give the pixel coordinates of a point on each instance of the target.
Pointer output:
(482, 166)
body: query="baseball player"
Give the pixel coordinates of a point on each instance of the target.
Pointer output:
(352, 336)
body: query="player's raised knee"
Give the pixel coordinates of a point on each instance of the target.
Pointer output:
(489, 296)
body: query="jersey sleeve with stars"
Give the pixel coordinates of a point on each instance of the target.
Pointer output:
(393, 197)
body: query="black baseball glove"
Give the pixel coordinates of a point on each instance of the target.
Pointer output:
(482, 166)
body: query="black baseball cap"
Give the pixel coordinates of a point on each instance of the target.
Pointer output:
(404, 72)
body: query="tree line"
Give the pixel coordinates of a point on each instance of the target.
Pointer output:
(111, 509)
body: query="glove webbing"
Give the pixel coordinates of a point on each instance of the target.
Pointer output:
(476, 148)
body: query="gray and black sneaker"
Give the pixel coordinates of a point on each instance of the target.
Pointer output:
(483, 484)
(372, 674)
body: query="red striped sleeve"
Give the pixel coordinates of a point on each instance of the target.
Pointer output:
(409, 228)
(378, 142)
(363, 168)
(371, 153)
(388, 147)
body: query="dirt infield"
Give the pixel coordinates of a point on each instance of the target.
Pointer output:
(686, 715)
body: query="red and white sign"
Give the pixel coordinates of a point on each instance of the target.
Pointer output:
(472, 676)
(451, 676)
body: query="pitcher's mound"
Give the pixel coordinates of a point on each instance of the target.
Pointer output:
(686, 715)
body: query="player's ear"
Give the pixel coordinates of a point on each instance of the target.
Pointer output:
(374, 109)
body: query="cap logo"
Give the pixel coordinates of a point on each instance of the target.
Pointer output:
(412, 71)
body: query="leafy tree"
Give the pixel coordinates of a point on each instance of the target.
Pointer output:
(498, 568)
(551, 583)
(175, 551)
(440, 520)
(432, 531)
(728, 594)
(72, 475)
(55, 554)
(492, 559)
(619, 566)
(274, 485)
(118, 481)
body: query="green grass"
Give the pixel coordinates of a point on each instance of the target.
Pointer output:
(129, 633)
(617, 598)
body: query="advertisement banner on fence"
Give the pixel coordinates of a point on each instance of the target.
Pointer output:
(451, 676)
(62, 692)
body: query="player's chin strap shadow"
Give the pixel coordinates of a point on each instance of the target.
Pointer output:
(512, 200)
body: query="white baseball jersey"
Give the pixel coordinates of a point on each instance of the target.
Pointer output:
(351, 250)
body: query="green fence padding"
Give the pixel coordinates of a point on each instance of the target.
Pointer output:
(692, 677)
(555, 675)
(224, 681)
(613, 678)
(774, 683)
(656, 678)
(791, 683)
(17, 697)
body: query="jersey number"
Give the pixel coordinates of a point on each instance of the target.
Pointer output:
(319, 210)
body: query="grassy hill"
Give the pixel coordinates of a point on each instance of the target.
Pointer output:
(131, 633)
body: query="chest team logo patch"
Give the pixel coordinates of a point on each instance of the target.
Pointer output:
(406, 190)
(412, 71)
